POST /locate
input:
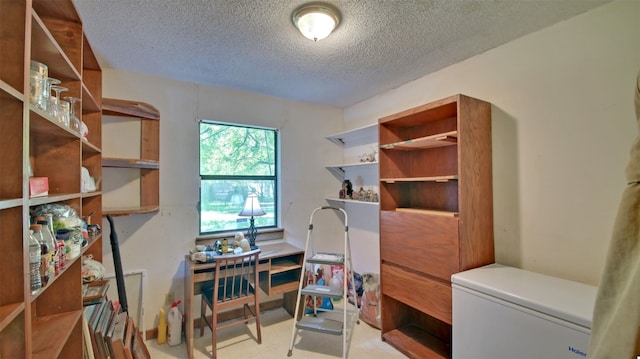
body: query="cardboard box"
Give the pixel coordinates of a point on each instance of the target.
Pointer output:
(39, 186)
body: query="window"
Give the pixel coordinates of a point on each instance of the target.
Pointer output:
(236, 160)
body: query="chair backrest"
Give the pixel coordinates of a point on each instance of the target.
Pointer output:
(236, 277)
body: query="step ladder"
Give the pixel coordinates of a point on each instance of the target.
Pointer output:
(319, 319)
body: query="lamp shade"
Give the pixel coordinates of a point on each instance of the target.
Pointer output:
(252, 207)
(316, 21)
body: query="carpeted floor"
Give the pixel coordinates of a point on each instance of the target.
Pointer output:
(239, 342)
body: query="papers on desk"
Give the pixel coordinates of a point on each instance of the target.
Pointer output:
(208, 256)
(203, 257)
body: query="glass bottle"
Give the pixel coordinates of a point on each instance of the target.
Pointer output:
(44, 253)
(34, 263)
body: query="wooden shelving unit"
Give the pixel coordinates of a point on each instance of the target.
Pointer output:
(436, 217)
(46, 324)
(146, 163)
(280, 274)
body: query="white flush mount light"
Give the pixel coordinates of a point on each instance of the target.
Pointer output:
(316, 20)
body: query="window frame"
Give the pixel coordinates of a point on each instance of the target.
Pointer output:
(275, 178)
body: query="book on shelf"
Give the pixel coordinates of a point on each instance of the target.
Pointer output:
(94, 313)
(87, 340)
(115, 337)
(110, 333)
(101, 330)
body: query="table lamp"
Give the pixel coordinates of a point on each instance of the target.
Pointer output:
(252, 209)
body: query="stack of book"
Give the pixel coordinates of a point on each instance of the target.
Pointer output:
(108, 331)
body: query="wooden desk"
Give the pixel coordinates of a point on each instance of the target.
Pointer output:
(279, 270)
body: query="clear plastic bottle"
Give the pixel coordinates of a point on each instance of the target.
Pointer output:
(54, 261)
(44, 253)
(34, 263)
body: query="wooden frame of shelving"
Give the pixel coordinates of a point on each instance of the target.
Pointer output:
(149, 162)
(45, 324)
(436, 199)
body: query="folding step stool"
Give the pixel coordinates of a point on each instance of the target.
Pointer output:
(322, 324)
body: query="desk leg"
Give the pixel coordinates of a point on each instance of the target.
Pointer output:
(188, 307)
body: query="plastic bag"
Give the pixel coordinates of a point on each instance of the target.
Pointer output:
(92, 270)
(370, 303)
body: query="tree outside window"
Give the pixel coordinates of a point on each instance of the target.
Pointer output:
(236, 160)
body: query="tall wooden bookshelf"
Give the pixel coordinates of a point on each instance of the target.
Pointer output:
(436, 216)
(48, 323)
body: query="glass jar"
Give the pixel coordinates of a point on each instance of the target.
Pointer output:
(37, 82)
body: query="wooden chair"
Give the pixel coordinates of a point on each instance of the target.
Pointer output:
(235, 284)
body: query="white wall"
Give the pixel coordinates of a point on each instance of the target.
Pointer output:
(157, 243)
(563, 124)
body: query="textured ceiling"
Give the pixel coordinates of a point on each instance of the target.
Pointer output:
(251, 45)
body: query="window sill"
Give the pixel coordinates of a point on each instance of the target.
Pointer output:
(264, 235)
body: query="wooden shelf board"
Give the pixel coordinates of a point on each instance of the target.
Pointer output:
(90, 242)
(10, 203)
(444, 108)
(428, 212)
(89, 147)
(129, 163)
(68, 264)
(9, 312)
(52, 198)
(129, 108)
(283, 266)
(125, 211)
(89, 103)
(50, 333)
(41, 123)
(10, 90)
(91, 194)
(45, 49)
(352, 201)
(56, 9)
(438, 140)
(416, 343)
(283, 288)
(420, 179)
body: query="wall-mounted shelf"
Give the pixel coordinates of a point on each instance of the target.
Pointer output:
(344, 200)
(129, 163)
(339, 169)
(145, 164)
(356, 136)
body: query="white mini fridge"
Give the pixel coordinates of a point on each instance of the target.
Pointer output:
(502, 312)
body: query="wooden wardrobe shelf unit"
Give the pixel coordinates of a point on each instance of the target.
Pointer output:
(47, 323)
(147, 163)
(436, 217)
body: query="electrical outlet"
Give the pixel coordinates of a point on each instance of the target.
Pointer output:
(169, 299)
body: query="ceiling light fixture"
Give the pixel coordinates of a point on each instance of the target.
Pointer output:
(316, 20)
